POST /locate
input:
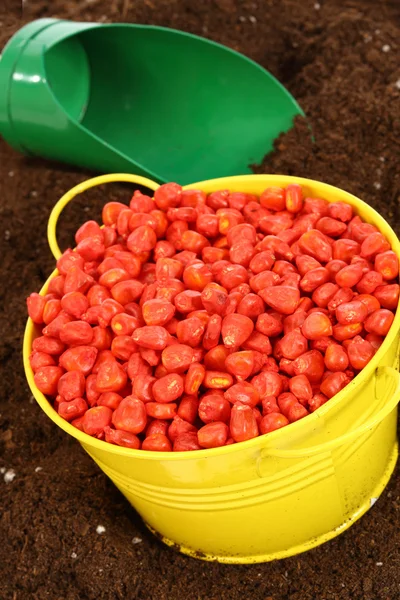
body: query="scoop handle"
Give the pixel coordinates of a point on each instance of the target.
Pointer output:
(79, 189)
(375, 419)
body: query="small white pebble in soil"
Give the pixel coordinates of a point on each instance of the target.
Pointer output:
(34, 194)
(11, 173)
(317, 6)
(377, 185)
(100, 529)
(382, 158)
(343, 585)
(100, 570)
(377, 31)
(7, 235)
(86, 209)
(32, 400)
(2, 470)
(385, 48)
(74, 555)
(136, 540)
(242, 19)
(9, 475)
(379, 564)
(252, 19)
(397, 84)
(37, 469)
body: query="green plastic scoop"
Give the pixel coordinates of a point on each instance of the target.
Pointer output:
(153, 101)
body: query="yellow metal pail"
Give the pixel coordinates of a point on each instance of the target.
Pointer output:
(278, 494)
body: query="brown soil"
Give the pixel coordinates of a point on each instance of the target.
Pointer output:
(331, 55)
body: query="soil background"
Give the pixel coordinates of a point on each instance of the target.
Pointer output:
(341, 60)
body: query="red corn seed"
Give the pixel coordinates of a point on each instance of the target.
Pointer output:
(315, 244)
(294, 198)
(142, 387)
(269, 405)
(369, 282)
(190, 331)
(96, 419)
(373, 244)
(123, 324)
(168, 388)
(150, 356)
(69, 259)
(349, 276)
(243, 423)
(130, 415)
(297, 412)
(157, 443)
(242, 392)
(217, 380)
(73, 410)
(122, 347)
(379, 321)
(331, 227)
(122, 438)
(387, 296)
(186, 442)
(38, 360)
(273, 421)
(375, 340)
(110, 399)
(194, 378)
(259, 342)
(51, 310)
(324, 293)
(213, 435)
(283, 299)
(387, 264)
(346, 332)
(251, 306)
(71, 385)
(214, 407)
(212, 332)
(157, 410)
(188, 408)
(286, 401)
(360, 352)
(351, 312)
(314, 278)
(232, 276)
(76, 333)
(342, 295)
(316, 402)
(215, 358)
(197, 276)
(336, 358)
(300, 386)
(177, 358)
(268, 383)
(111, 377)
(334, 383)
(292, 344)
(153, 337)
(236, 329)
(240, 364)
(316, 326)
(47, 378)
(311, 364)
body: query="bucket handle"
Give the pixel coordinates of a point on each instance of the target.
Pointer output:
(377, 418)
(79, 189)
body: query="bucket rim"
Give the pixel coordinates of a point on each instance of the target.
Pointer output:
(264, 441)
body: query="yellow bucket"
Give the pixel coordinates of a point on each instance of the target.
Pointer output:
(278, 494)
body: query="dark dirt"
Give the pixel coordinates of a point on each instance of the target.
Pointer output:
(341, 59)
